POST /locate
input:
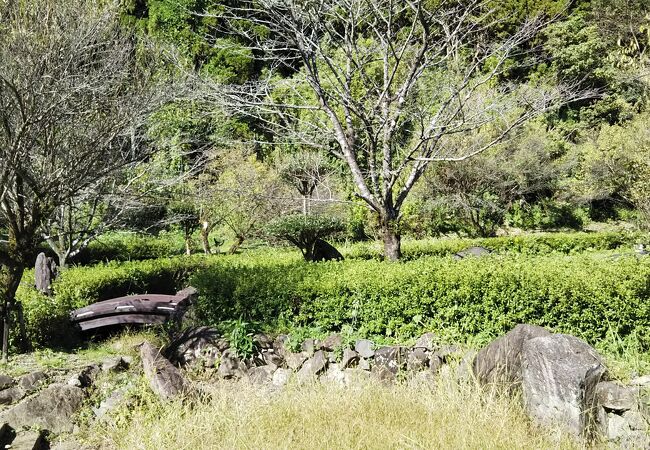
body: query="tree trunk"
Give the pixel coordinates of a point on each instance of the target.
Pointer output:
(392, 239)
(236, 245)
(10, 277)
(205, 238)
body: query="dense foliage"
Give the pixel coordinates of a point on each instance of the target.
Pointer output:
(551, 280)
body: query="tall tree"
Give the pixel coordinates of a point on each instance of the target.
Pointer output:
(75, 91)
(388, 83)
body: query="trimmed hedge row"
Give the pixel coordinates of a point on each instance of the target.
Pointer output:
(529, 244)
(585, 295)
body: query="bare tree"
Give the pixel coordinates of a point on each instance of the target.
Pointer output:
(75, 93)
(305, 171)
(384, 85)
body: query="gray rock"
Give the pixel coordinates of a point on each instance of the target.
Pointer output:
(617, 427)
(114, 364)
(365, 348)
(312, 366)
(279, 344)
(261, 374)
(447, 352)
(417, 359)
(164, 378)
(435, 363)
(45, 271)
(51, 409)
(11, 395)
(364, 364)
(308, 346)
(281, 377)
(389, 358)
(464, 370)
(32, 382)
(6, 381)
(356, 375)
(500, 361)
(383, 374)
(110, 403)
(29, 440)
(641, 381)
(332, 342)
(472, 251)
(263, 341)
(336, 375)
(295, 361)
(86, 377)
(350, 357)
(270, 357)
(231, 366)
(427, 341)
(559, 378)
(616, 397)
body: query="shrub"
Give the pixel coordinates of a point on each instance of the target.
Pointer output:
(585, 295)
(47, 318)
(304, 231)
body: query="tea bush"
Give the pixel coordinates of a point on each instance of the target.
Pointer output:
(536, 279)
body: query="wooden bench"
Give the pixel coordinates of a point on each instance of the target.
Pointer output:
(134, 309)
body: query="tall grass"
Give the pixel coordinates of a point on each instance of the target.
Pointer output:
(447, 414)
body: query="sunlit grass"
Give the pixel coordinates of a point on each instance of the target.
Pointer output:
(447, 414)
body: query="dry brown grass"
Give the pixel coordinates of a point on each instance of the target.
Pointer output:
(448, 414)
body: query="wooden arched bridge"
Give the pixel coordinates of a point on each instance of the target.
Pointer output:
(134, 309)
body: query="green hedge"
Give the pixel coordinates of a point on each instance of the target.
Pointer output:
(529, 244)
(48, 317)
(584, 294)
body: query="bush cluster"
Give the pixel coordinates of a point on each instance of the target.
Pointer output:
(535, 279)
(47, 318)
(585, 295)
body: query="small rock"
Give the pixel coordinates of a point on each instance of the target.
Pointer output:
(6, 382)
(425, 377)
(261, 374)
(114, 364)
(383, 374)
(617, 427)
(270, 357)
(332, 342)
(389, 358)
(637, 421)
(364, 364)
(464, 370)
(365, 348)
(86, 377)
(435, 363)
(350, 357)
(427, 341)
(231, 367)
(641, 381)
(281, 377)
(110, 403)
(11, 395)
(615, 397)
(295, 361)
(32, 382)
(417, 359)
(308, 346)
(336, 375)
(29, 440)
(279, 344)
(263, 341)
(312, 366)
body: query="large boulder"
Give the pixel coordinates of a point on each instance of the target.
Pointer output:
(500, 361)
(313, 366)
(164, 378)
(559, 377)
(51, 409)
